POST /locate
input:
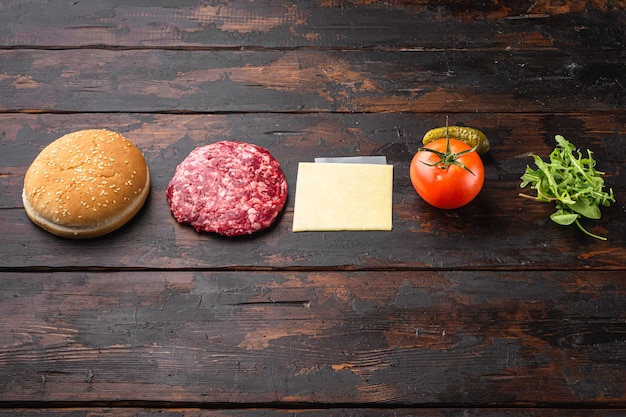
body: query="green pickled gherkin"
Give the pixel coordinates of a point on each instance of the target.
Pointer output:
(473, 137)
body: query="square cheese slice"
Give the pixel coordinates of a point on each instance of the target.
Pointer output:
(332, 196)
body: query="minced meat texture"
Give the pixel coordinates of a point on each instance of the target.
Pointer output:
(229, 188)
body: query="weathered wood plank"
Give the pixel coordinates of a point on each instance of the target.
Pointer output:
(312, 81)
(550, 338)
(330, 24)
(499, 230)
(398, 338)
(312, 412)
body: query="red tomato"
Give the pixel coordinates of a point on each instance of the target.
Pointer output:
(450, 186)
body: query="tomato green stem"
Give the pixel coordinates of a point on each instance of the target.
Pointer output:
(448, 158)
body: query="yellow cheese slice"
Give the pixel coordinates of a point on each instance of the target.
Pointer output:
(331, 196)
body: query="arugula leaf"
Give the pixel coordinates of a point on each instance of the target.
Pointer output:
(571, 181)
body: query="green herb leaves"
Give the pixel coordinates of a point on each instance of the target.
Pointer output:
(570, 181)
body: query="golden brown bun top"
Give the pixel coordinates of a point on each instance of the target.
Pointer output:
(85, 177)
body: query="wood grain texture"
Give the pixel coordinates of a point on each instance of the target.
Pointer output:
(124, 411)
(402, 24)
(498, 231)
(395, 338)
(312, 81)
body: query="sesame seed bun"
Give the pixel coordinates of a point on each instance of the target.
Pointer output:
(86, 184)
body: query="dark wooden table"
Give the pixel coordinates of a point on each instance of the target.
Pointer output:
(488, 310)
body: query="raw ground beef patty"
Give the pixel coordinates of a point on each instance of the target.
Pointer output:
(230, 188)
